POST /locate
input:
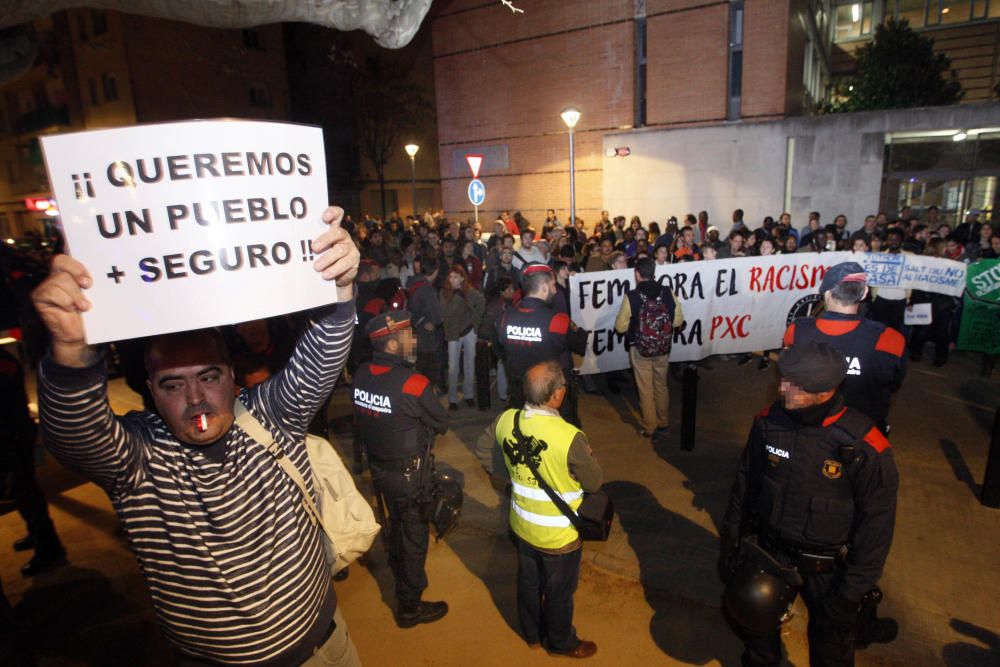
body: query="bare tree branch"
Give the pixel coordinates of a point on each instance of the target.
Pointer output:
(513, 9)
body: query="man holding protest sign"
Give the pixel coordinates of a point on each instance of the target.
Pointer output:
(235, 566)
(648, 318)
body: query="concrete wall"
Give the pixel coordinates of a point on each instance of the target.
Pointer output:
(836, 165)
(502, 79)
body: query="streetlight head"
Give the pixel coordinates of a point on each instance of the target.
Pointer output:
(571, 117)
(411, 149)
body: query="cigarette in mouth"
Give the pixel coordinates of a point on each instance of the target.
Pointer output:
(202, 423)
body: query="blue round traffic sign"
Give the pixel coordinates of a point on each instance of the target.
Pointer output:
(477, 192)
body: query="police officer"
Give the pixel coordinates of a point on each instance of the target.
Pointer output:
(398, 415)
(532, 332)
(874, 352)
(816, 486)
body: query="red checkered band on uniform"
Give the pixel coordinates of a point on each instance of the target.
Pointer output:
(536, 268)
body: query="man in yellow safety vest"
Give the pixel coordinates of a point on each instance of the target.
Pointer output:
(549, 548)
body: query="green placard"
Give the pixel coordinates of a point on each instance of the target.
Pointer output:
(980, 330)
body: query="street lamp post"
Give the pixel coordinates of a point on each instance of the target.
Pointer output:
(411, 150)
(571, 116)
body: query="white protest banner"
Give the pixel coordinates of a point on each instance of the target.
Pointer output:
(192, 224)
(730, 305)
(906, 271)
(739, 305)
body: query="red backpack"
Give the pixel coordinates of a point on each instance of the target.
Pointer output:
(654, 334)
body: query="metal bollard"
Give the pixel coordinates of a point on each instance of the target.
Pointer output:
(990, 495)
(689, 406)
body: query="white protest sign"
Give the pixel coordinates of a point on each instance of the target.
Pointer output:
(918, 314)
(192, 224)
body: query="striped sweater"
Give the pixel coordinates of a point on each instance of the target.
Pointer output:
(235, 567)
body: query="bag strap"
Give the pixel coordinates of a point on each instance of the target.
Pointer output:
(250, 424)
(549, 491)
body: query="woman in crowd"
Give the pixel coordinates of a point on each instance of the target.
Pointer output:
(463, 307)
(473, 266)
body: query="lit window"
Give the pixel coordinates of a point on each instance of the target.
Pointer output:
(955, 11)
(853, 20)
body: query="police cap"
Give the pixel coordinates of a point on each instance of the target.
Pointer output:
(536, 267)
(845, 272)
(388, 323)
(815, 367)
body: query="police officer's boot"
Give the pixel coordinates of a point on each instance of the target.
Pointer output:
(871, 629)
(414, 613)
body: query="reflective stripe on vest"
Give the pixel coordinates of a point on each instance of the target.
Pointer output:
(560, 521)
(539, 494)
(533, 516)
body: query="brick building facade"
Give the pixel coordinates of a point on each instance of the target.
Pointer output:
(503, 78)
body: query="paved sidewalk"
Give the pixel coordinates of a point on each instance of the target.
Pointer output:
(657, 570)
(942, 579)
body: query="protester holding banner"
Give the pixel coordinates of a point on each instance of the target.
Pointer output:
(889, 303)
(210, 610)
(648, 317)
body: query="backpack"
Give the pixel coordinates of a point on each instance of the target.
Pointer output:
(345, 517)
(654, 333)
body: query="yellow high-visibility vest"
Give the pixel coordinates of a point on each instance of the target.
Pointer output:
(533, 516)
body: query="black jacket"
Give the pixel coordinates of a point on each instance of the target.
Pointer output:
(816, 488)
(875, 358)
(395, 408)
(532, 332)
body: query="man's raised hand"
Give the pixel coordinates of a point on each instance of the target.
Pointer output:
(60, 302)
(338, 256)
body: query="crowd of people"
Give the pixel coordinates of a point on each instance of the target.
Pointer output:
(459, 277)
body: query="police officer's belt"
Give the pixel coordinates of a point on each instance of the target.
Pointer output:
(804, 560)
(402, 465)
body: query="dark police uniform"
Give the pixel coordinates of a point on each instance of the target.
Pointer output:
(821, 497)
(876, 364)
(532, 332)
(398, 415)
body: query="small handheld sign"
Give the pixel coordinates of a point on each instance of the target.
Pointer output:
(477, 194)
